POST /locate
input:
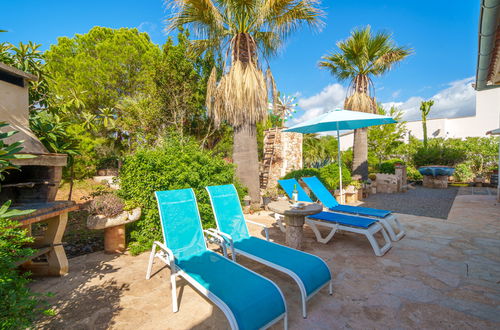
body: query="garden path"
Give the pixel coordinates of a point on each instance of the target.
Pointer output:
(443, 274)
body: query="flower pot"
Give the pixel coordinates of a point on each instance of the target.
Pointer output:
(266, 200)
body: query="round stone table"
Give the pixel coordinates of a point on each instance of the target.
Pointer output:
(294, 219)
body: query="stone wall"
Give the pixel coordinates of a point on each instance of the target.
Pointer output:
(287, 154)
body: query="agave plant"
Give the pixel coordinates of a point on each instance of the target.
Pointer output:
(242, 33)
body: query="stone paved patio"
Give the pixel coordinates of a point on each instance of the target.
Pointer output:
(443, 274)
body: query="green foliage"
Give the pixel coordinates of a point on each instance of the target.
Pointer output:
(20, 307)
(384, 140)
(93, 73)
(28, 58)
(413, 174)
(319, 151)
(298, 174)
(389, 165)
(330, 176)
(52, 131)
(438, 153)
(9, 152)
(174, 165)
(481, 153)
(18, 303)
(463, 173)
(425, 108)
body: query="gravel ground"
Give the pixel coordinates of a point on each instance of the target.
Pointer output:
(435, 203)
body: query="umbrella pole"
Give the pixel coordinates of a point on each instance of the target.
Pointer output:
(339, 160)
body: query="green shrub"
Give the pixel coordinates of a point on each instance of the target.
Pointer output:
(20, 306)
(174, 165)
(463, 173)
(305, 172)
(388, 166)
(438, 155)
(329, 175)
(413, 174)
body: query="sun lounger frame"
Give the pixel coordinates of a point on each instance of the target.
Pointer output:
(227, 240)
(167, 256)
(389, 222)
(334, 226)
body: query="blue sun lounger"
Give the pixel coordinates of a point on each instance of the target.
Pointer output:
(310, 272)
(386, 218)
(249, 300)
(337, 221)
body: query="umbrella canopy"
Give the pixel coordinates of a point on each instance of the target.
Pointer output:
(494, 132)
(340, 120)
(337, 120)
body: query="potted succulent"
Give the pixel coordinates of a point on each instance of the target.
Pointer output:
(269, 195)
(109, 212)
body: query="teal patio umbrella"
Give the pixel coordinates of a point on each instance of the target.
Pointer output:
(340, 120)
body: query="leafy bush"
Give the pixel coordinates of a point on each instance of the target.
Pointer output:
(174, 165)
(297, 174)
(389, 165)
(438, 155)
(18, 303)
(463, 172)
(108, 205)
(413, 174)
(329, 175)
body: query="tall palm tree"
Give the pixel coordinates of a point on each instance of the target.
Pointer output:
(362, 56)
(241, 31)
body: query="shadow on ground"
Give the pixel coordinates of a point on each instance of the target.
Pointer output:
(79, 302)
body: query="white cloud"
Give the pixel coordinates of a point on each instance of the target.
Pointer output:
(331, 97)
(147, 27)
(395, 94)
(457, 100)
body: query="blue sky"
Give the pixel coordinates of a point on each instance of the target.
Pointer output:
(443, 35)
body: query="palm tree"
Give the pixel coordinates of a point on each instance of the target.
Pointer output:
(361, 57)
(240, 31)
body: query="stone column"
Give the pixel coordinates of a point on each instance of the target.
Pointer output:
(294, 231)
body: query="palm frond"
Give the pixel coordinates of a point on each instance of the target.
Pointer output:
(286, 16)
(240, 97)
(202, 17)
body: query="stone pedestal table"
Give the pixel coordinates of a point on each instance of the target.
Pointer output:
(294, 219)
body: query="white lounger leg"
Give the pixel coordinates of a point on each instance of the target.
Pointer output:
(314, 226)
(392, 221)
(279, 220)
(370, 232)
(151, 261)
(173, 281)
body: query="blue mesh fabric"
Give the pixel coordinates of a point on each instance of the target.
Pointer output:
(311, 269)
(361, 210)
(288, 185)
(320, 191)
(226, 204)
(181, 222)
(344, 219)
(254, 300)
(330, 202)
(227, 210)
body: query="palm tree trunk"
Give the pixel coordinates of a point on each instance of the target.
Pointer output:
(246, 159)
(360, 153)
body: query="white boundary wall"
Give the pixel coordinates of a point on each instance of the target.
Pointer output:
(487, 118)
